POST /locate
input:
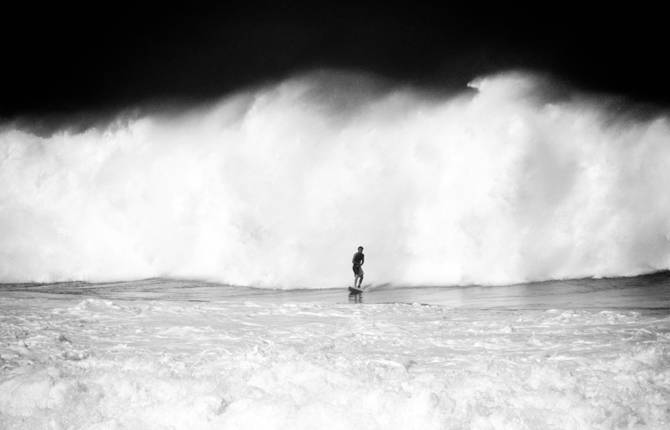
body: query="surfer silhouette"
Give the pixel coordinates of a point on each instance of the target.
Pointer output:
(357, 261)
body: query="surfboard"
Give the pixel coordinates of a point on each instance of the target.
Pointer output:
(354, 290)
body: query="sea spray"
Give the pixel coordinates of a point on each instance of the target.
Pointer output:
(275, 187)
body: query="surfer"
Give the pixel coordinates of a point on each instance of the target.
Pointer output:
(357, 261)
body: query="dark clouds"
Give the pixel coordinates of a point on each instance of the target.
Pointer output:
(66, 59)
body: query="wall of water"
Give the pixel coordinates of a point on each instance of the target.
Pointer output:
(275, 187)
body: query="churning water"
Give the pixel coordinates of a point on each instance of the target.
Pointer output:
(512, 181)
(162, 354)
(273, 188)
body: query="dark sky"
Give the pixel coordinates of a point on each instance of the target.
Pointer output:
(58, 60)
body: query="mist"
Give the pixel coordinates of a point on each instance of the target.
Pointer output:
(508, 181)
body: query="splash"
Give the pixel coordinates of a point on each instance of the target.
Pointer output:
(275, 187)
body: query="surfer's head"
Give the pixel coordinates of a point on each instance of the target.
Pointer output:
(360, 248)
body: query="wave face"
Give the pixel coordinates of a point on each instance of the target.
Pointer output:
(277, 186)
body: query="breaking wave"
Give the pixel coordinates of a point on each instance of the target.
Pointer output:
(509, 181)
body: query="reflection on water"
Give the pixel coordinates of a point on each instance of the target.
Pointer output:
(649, 291)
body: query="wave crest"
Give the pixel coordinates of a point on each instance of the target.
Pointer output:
(277, 186)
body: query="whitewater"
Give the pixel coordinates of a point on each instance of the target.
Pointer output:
(185, 267)
(515, 179)
(169, 354)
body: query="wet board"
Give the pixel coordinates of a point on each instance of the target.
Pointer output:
(354, 290)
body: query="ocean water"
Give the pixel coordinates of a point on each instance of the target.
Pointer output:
(510, 180)
(465, 202)
(171, 354)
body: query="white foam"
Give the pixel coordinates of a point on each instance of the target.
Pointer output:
(98, 364)
(277, 186)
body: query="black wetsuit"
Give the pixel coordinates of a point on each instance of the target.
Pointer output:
(357, 261)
